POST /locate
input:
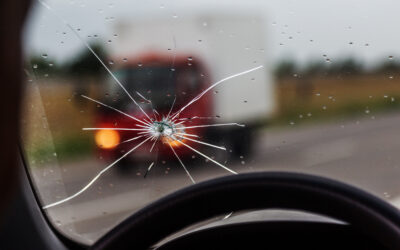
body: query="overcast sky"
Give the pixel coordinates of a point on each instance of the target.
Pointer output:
(367, 29)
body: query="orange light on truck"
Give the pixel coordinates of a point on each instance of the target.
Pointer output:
(107, 139)
(173, 143)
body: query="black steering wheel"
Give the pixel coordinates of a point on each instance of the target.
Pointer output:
(373, 217)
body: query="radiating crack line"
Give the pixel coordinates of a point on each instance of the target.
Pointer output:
(119, 111)
(204, 143)
(128, 129)
(213, 125)
(179, 159)
(209, 158)
(132, 139)
(211, 87)
(95, 178)
(94, 53)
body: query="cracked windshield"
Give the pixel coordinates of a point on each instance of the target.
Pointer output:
(128, 101)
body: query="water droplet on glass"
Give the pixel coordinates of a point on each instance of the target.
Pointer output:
(139, 64)
(111, 62)
(125, 59)
(35, 66)
(44, 55)
(390, 57)
(324, 107)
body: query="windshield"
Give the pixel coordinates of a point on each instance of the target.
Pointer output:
(128, 101)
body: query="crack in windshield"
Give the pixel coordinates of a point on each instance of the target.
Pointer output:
(169, 130)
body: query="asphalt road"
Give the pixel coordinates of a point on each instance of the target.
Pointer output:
(363, 152)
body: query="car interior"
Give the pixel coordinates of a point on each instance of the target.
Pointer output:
(163, 125)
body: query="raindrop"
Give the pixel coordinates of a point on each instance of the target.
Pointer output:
(367, 111)
(324, 107)
(44, 55)
(109, 41)
(51, 65)
(111, 62)
(174, 16)
(291, 123)
(205, 24)
(139, 64)
(199, 40)
(125, 59)
(390, 57)
(190, 58)
(35, 66)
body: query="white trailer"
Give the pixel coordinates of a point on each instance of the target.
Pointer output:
(226, 43)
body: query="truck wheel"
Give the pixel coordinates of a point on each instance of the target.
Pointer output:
(242, 141)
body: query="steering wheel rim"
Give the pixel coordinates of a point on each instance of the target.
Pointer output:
(261, 190)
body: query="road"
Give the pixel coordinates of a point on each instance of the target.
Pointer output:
(364, 152)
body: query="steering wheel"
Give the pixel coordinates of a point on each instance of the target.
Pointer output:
(373, 217)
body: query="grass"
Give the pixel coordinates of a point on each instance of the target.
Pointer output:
(343, 97)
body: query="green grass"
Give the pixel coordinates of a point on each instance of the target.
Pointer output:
(66, 148)
(333, 111)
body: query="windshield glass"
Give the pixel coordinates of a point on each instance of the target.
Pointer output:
(127, 101)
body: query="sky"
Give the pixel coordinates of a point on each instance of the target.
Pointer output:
(301, 30)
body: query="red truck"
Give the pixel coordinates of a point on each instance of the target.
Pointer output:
(161, 85)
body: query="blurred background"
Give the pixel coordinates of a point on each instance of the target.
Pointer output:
(326, 101)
